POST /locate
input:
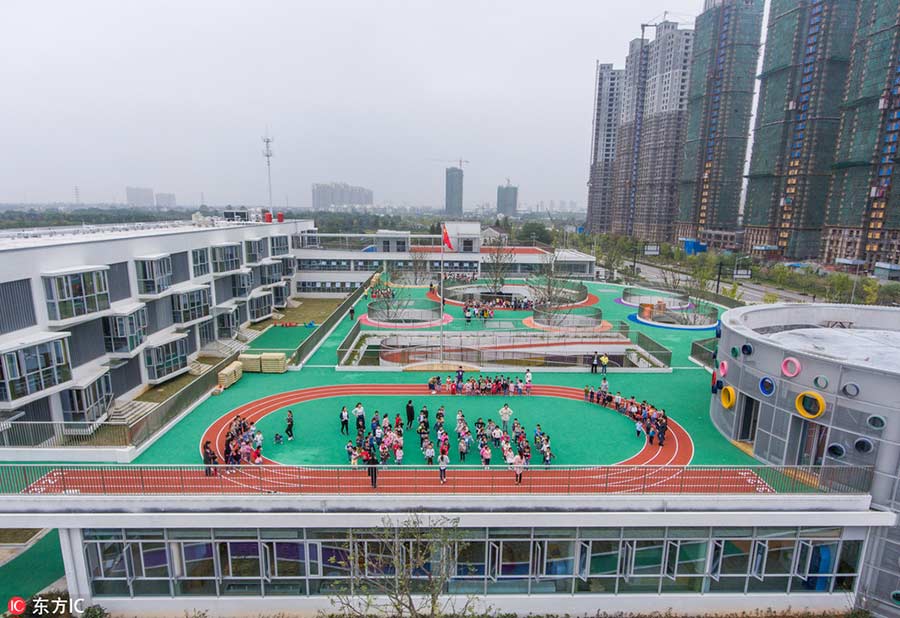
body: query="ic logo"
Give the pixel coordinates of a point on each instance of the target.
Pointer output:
(16, 606)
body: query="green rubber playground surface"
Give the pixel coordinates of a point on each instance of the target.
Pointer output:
(33, 570)
(580, 433)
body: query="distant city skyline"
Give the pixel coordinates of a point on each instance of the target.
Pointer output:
(512, 109)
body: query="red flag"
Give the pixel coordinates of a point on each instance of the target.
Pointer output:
(445, 237)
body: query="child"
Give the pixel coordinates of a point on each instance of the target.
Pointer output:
(587, 391)
(398, 455)
(548, 455)
(486, 456)
(638, 428)
(258, 439)
(279, 439)
(429, 454)
(350, 449)
(496, 434)
(591, 395)
(354, 458)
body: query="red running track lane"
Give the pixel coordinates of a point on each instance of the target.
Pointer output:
(652, 470)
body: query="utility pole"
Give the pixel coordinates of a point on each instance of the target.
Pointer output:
(77, 196)
(267, 153)
(719, 276)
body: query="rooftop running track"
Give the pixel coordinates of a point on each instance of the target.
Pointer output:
(653, 470)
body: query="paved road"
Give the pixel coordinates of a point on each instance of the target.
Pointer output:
(752, 292)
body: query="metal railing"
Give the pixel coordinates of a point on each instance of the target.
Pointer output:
(68, 481)
(306, 348)
(404, 310)
(550, 316)
(704, 351)
(61, 434)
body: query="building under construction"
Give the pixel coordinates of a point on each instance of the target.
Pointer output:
(801, 85)
(720, 100)
(607, 108)
(863, 210)
(651, 132)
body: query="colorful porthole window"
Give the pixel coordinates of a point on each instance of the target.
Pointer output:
(723, 368)
(728, 397)
(767, 386)
(836, 450)
(809, 404)
(746, 349)
(820, 382)
(718, 331)
(876, 421)
(735, 352)
(895, 597)
(790, 367)
(864, 446)
(850, 389)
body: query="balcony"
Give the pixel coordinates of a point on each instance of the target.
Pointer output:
(76, 295)
(33, 367)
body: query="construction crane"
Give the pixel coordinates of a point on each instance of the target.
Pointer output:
(459, 161)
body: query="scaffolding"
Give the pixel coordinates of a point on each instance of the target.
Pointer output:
(804, 71)
(863, 212)
(726, 48)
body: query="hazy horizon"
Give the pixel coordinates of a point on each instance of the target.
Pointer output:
(176, 97)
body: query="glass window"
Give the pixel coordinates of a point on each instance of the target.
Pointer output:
(89, 404)
(154, 276)
(123, 334)
(226, 258)
(166, 359)
(190, 306)
(33, 369)
(70, 296)
(200, 261)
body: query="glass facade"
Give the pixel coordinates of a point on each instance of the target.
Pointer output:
(288, 266)
(86, 405)
(154, 276)
(164, 360)
(226, 258)
(200, 261)
(280, 295)
(241, 284)
(32, 369)
(255, 250)
(227, 324)
(270, 273)
(333, 287)
(259, 307)
(279, 245)
(323, 264)
(123, 334)
(69, 296)
(190, 306)
(529, 561)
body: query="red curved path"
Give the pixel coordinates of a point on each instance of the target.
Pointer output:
(653, 470)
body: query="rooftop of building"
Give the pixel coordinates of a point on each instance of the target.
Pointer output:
(860, 335)
(46, 236)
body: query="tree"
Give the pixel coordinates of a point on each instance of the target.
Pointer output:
(418, 271)
(770, 297)
(868, 291)
(889, 294)
(733, 292)
(534, 230)
(404, 570)
(499, 262)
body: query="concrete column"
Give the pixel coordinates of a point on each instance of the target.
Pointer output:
(78, 582)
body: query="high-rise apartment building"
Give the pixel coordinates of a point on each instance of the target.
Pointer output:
(507, 199)
(607, 107)
(862, 221)
(165, 200)
(650, 135)
(326, 195)
(797, 118)
(720, 100)
(139, 197)
(453, 192)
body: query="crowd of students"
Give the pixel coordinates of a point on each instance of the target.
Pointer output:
(381, 440)
(649, 420)
(483, 385)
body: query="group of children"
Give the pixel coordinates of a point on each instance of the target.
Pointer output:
(383, 439)
(649, 420)
(483, 385)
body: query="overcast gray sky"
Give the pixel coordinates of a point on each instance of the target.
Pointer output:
(175, 95)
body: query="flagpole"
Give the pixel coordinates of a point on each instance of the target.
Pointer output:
(442, 296)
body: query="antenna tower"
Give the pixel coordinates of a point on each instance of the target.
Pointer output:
(267, 153)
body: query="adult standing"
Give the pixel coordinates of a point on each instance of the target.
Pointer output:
(352, 313)
(207, 458)
(518, 467)
(595, 361)
(505, 414)
(372, 469)
(289, 428)
(410, 413)
(360, 413)
(604, 363)
(345, 421)
(443, 462)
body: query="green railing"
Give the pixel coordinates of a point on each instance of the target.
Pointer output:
(704, 351)
(347, 344)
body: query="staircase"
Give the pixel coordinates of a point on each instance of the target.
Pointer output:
(293, 304)
(130, 412)
(197, 368)
(246, 335)
(222, 348)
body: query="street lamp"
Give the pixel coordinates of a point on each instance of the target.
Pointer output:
(852, 262)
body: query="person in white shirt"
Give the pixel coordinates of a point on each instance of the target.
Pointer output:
(505, 414)
(443, 462)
